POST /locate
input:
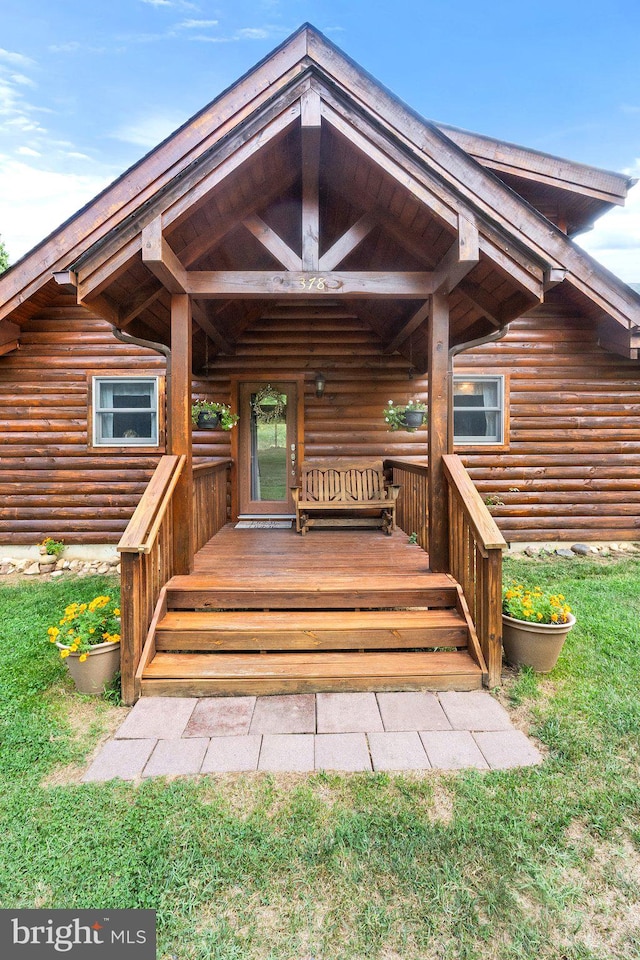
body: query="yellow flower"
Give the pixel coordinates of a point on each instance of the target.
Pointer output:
(64, 653)
(116, 612)
(554, 618)
(82, 657)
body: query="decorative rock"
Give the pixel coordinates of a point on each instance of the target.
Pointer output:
(33, 570)
(531, 551)
(6, 568)
(104, 568)
(48, 559)
(118, 569)
(581, 549)
(568, 554)
(4, 560)
(113, 561)
(57, 573)
(74, 564)
(22, 565)
(614, 546)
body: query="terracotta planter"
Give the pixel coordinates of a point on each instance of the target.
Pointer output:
(536, 645)
(208, 421)
(99, 669)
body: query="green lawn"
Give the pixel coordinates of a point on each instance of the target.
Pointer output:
(534, 863)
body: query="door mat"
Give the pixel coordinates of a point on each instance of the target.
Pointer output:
(264, 524)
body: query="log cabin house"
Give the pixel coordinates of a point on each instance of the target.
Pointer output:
(309, 239)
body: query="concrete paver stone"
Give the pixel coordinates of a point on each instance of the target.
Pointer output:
(342, 751)
(505, 749)
(293, 713)
(412, 711)
(158, 717)
(452, 750)
(398, 751)
(120, 758)
(220, 717)
(474, 710)
(290, 752)
(176, 757)
(348, 713)
(232, 754)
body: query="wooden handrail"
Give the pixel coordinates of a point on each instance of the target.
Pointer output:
(475, 560)
(411, 466)
(482, 523)
(210, 466)
(143, 527)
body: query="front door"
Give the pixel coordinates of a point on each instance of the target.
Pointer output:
(267, 447)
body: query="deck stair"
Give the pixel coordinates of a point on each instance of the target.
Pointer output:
(382, 633)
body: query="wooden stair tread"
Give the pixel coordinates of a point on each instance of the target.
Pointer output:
(300, 666)
(343, 620)
(321, 581)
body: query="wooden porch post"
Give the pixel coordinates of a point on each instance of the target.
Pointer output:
(180, 430)
(439, 441)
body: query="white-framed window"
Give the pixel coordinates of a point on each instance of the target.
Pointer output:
(478, 409)
(125, 412)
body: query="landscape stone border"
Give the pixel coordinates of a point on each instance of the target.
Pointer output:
(51, 566)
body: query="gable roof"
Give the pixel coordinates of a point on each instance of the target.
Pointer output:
(425, 151)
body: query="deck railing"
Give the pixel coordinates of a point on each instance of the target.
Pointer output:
(412, 508)
(475, 560)
(210, 481)
(146, 554)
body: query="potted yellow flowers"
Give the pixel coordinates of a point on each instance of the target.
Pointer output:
(88, 637)
(535, 625)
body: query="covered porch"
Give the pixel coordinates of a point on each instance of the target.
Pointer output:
(321, 231)
(265, 610)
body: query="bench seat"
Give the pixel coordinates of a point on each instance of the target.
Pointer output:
(343, 493)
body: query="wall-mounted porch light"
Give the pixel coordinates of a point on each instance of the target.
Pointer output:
(320, 384)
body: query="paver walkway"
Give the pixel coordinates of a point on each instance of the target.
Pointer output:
(171, 736)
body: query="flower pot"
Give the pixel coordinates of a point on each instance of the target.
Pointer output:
(413, 418)
(99, 669)
(208, 421)
(535, 645)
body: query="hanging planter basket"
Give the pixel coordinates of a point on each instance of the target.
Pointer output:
(413, 419)
(208, 421)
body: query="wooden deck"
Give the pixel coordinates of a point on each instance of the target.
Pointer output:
(269, 611)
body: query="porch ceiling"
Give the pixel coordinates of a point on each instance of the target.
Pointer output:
(374, 220)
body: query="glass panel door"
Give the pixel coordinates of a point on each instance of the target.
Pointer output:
(267, 449)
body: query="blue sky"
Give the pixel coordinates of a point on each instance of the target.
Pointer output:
(86, 88)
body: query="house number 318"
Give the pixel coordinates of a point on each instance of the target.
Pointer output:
(308, 283)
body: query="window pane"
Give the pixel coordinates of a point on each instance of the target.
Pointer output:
(269, 455)
(126, 412)
(477, 413)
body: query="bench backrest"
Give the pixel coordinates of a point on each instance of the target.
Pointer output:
(342, 481)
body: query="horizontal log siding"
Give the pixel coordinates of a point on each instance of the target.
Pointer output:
(347, 421)
(572, 469)
(574, 452)
(51, 484)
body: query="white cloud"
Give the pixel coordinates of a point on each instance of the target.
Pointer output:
(159, 3)
(28, 152)
(18, 59)
(21, 80)
(197, 24)
(149, 130)
(615, 239)
(34, 202)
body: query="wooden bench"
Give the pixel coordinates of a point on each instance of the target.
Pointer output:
(345, 493)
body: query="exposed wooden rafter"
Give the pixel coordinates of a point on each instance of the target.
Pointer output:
(158, 256)
(347, 242)
(310, 115)
(203, 318)
(272, 242)
(405, 331)
(462, 256)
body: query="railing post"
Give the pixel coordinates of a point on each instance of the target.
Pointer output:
(493, 651)
(438, 423)
(180, 430)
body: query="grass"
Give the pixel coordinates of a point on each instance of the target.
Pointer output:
(537, 863)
